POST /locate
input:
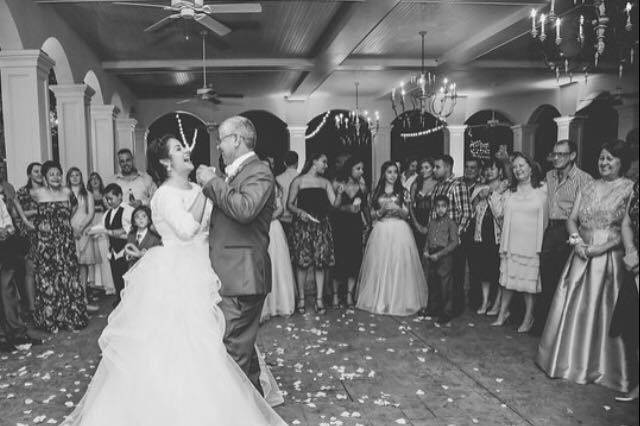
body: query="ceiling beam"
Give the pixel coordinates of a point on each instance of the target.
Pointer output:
(250, 64)
(352, 23)
(465, 51)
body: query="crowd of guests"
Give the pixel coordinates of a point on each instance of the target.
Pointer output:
(557, 252)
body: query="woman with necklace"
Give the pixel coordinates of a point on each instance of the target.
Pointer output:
(575, 343)
(391, 278)
(523, 212)
(60, 299)
(420, 206)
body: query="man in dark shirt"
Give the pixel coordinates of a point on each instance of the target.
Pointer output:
(442, 240)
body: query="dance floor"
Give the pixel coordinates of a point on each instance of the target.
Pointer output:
(350, 368)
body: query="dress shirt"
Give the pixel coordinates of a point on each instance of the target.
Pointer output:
(284, 180)
(5, 217)
(441, 233)
(126, 222)
(139, 184)
(459, 206)
(562, 194)
(140, 235)
(407, 182)
(232, 168)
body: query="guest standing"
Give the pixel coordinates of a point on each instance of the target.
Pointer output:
(472, 177)
(575, 343)
(459, 210)
(523, 211)
(484, 255)
(60, 299)
(137, 187)
(442, 240)
(348, 220)
(391, 278)
(141, 237)
(310, 198)
(29, 234)
(284, 180)
(410, 173)
(420, 206)
(282, 298)
(81, 218)
(101, 275)
(564, 183)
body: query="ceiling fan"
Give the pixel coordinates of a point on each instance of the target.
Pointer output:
(492, 122)
(197, 11)
(206, 93)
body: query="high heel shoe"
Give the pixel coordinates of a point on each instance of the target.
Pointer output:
(493, 311)
(501, 321)
(629, 397)
(525, 327)
(300, 308)
(483, 310)
(320, 309)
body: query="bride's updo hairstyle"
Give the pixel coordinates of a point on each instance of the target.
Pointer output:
(158, 150)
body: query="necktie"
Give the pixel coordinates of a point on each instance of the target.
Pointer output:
(139, 238)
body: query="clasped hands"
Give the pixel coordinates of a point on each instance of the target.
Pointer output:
(204, 174)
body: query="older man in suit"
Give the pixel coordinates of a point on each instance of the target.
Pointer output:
(239, 238)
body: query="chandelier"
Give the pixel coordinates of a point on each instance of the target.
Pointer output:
(426, 93)
(356, 128)
(581, 37)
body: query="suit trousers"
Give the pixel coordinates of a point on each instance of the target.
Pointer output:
(119, 267)
(554, 256)
(460, 255)
(242, 315)
(441, 285)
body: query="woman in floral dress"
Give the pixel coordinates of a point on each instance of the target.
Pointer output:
(60, 299)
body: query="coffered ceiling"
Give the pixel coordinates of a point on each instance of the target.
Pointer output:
(306, 47)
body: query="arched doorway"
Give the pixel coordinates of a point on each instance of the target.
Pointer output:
(487, 132)
(600, 124)
(428, 145)
(169, 124)
(273, 136)
(546, 133)
(324, 137)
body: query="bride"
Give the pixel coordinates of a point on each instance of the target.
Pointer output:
(163, 359)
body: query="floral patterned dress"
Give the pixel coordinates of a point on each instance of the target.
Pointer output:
(313, 241)
(60, 299)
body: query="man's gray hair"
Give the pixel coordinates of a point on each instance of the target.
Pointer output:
(243, 127)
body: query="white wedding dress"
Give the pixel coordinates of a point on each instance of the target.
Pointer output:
(163, 359)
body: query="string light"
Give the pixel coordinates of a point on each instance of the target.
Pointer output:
(320, 126)
(423, 132)
(187, 145)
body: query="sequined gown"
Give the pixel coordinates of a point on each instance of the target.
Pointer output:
(59, 300)
(575, 344)
(391, 280)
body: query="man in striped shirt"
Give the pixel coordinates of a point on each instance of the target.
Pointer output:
(460, 212)
(564, 183)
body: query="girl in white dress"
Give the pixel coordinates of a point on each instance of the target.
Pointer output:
(391, 278)
(163, 359)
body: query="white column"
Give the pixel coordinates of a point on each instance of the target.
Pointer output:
(380, 151)
(103, 153)
(524, 138)
(25, 99)
(73, 129)
(564, 123)
(125, 134)
(297, 143)
(140, 149)
(454, 146)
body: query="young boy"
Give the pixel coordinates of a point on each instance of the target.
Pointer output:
(117, 223)
(442, 239)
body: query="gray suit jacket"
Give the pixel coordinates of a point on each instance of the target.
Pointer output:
(239, 230)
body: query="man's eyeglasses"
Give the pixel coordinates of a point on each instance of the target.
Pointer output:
(554, 155)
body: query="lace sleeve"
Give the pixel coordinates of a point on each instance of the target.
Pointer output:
(169, 208)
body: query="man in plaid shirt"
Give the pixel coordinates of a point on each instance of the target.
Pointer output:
(459, 211)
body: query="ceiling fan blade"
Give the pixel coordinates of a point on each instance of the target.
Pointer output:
(184, 101)
(214, 100)
(161, 22)
(158, 6)
(232, 8)
(230, 95)
(215, 26)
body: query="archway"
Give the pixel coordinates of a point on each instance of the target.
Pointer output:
(91, 80)
(487, 132)
(323, 137)
(273, 136)
(168, 124)
(546, 133)
(599, 125)
(54, 49)
(428, 145)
